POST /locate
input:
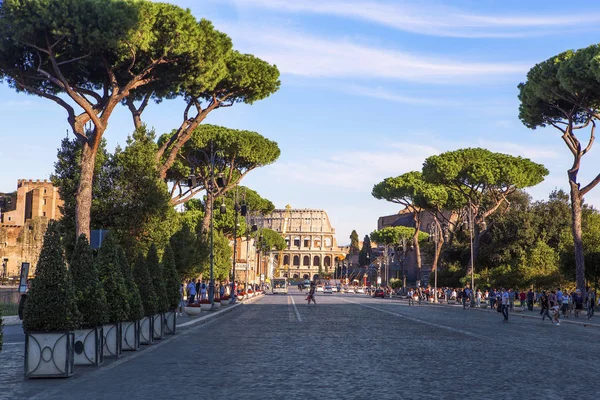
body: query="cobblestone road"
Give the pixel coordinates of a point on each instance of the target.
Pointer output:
(346, 347)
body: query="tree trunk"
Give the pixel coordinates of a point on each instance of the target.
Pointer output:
(83, 201)
(417, 252)
(208, 209)
(577, 236)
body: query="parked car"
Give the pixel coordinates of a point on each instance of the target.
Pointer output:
(319, 288)
(379, 293)
(306, 284)
(334, 289)
(327, 289)
(350, 290)
(360, 290)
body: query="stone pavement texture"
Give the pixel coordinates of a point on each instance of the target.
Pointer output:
(346, 347)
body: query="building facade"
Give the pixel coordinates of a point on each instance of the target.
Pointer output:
(24, 217)
(311, 244)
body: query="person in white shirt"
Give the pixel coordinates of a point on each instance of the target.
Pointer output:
(505, 304)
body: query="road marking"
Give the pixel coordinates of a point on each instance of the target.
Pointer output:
(295, 308)
(9, 343)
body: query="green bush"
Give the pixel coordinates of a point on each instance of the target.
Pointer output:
(144, 283)
(51, 304)
(171, 279)
(89, 294)
(112, 280)
(136, 310)
(156, 273)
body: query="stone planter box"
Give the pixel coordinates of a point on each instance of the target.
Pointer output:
(170, 322)
(451, 301)
(217, 304)
(49, 354)
(192, 311)
(146, 330)
(113, 340)
(158, 327)
(89, 346)
(206, 307)
(131, 336)
(224, 302)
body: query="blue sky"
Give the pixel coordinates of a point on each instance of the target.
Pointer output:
(369, 90)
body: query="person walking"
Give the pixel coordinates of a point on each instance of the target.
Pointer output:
(181, 302)
(411, 300)
(545, 305)
(311, 293)
(465, 296)
(203, 290)
(565, 304)
(511, 299)
(578, 301)
(478, 298)
(591, 302)
(492, 298)
(505, 304)
(530, 298)
(191, 291)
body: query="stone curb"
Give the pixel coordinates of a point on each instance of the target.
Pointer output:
(215, 314)
(11, 320)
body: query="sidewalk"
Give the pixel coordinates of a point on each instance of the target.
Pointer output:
(523, 314)
(14, 386)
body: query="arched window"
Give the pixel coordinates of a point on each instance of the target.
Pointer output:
(318, 242)
(305, 276)
(306, 261)
(286, 260)
(316, 261)
(327, 261)
(297, 241)
(296, 260)
(327, 242)
(296, 276)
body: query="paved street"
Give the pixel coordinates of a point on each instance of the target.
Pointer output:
(347, 347)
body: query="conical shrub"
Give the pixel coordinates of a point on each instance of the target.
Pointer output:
(171, 279)
(91, 301)
(51, 304)
(146, 287)
(112, 280)
(156, 273)
(136, 310)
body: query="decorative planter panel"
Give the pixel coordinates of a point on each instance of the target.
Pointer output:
(170, 322)
(146, 331)
(217, 304)
(192, 311)
(206, 307)
(89, 346)
(131, 336)
(112, 340)
(49, 354)
(224, 302)
(158, 327)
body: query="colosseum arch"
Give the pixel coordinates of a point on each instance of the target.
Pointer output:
(286, 259)
(327, 261)
(316, 261)
(296, 260)
(306, 261)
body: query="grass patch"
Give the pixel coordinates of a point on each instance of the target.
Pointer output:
(9, 309)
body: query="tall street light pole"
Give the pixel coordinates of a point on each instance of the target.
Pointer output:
(471, 225)
(211, 285)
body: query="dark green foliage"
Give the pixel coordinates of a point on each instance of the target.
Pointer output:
(136, 310)
(134, 198)
(270, 240)
(66, 178)
(146, 287)
(222, 254)
(51, 303)
(156, 273)
(354, 249)
(112, 280)
(91, 301)
(186, 250)
(364, 256)
(171, 279)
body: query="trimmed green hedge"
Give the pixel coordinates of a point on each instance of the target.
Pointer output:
(156, 273)
(171, 279)
(51, 303)
(112, 280)
(144, 283)
(91, 301)
(136, 310)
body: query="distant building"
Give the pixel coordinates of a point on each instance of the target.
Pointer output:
(24, 217)
(310, 238)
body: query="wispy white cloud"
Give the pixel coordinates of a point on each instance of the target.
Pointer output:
(434, 18)
(304, 55)
(532, 151)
